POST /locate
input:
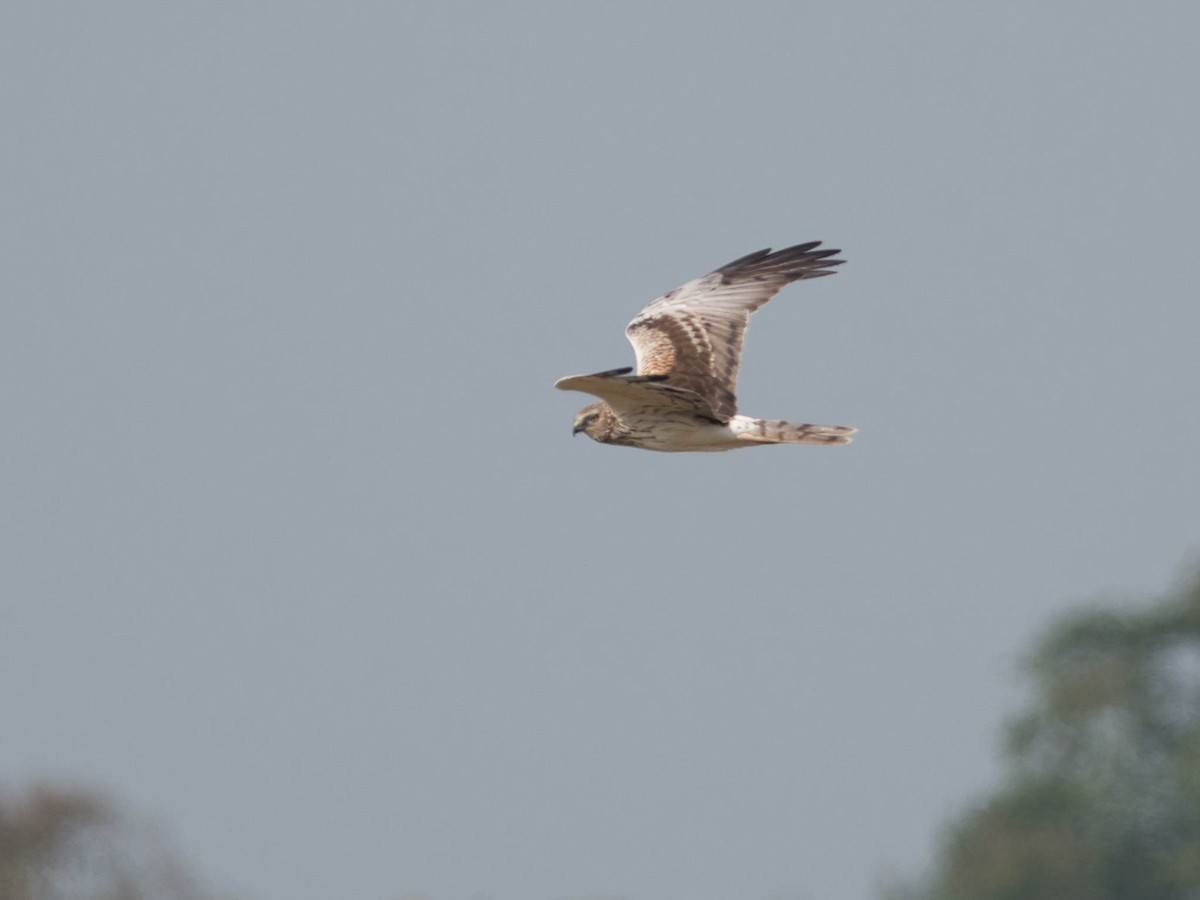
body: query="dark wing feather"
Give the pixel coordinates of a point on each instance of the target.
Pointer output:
(694, 335)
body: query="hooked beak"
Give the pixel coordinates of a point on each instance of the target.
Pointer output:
(575, 430)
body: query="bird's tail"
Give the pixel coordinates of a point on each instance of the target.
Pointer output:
(773, 431)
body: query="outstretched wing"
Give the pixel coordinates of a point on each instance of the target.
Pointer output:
(694, 334)
(639, 395)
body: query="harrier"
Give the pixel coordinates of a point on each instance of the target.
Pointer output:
(689, 346)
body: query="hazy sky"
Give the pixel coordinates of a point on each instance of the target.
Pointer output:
(300, 555)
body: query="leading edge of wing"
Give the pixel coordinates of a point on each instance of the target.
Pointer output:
(615, 382)
(622, 390)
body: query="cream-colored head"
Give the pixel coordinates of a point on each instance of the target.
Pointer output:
(595, 421)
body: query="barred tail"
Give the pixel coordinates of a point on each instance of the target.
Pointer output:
(773, 431)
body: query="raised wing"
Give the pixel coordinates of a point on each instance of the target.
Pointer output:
(637, 395)
(694, 335)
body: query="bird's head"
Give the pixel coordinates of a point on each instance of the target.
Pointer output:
(593, 421)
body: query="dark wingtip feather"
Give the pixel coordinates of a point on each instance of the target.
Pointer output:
(804, 248)
(792, 263)
(747, 260)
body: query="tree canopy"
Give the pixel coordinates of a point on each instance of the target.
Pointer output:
(1101, 798)
(62, 842)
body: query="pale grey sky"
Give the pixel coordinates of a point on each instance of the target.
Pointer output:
(301, 556)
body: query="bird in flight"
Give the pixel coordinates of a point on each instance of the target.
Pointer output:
(688, 344)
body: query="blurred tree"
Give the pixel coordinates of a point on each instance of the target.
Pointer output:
(1102, 795)
(66, 843)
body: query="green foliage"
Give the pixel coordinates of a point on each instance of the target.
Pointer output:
(1102, 797)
